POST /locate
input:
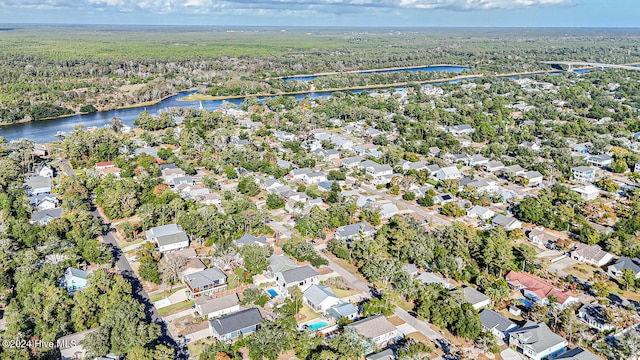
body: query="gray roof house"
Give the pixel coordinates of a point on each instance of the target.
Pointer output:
(205, 282)
(38, 185)
(480, 212)
(45, 216)
(229, 327)
(477, 299)
(509, 223)
(213, 307)
(377, 329)
(497, 324)
(577, 354)
(536, 341)
(349, 232)
(346, 310)
(320, 298)
(303, 277)
(280, 263)
(624, 262)
(591, 254)
(431, 278)
(168, 237)
(352, 161)
(595, 316)
(248, 239)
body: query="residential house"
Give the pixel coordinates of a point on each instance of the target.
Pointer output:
(284, 164)
(536, 341)
(423, 191)
(497, 324)
(531, 145)
(45, 216)
(448, 173)
(591, 254)
(179, 180)
(44, 170)
(205, 282)
(482, 186)
(431, 278)
(539, 290)
(171, 171)
(577, 354)
(459, 158)
(36, 185)
(71, 346)
(464, 129)
(210, 308)
(587, 192)
(44, 201)
(615, 270)
(636, 167)
(343, 310)
(582, 148)
(432, 169)
(477, 160)
(193, 265)
(514, 170)
(352, 162)
(74, 279)
(584, 174)
(416, 166)
(377, 329)
(303, 277)
(477, 299)
(284, 136)
(360, 230)
(299, 174)
(382, 355)
(480, 212)
(104, 165)
(508, 222)
(601, 161)
(540, 237)
(443, 199)
(534, 178)
(168, 237)
(320, 298)
(378, 171)
(280, 263)
(595, 315)
(388, 210)
(248, 239)
(229, 327)
(493, 166)
(315, 177)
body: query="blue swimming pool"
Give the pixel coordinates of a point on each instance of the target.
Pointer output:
(526, 302)
(317, 326)
(272, 292)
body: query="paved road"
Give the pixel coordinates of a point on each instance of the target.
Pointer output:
(434, 219)
(138, 291)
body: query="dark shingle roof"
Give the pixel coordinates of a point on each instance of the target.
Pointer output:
(236, 321)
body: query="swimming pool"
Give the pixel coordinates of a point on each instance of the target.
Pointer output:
(272, 292)
(317, 326)
(526, 302)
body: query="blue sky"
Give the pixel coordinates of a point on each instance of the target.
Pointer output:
(391, 13)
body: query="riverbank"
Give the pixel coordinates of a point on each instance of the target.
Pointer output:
(125, 107)
(204, 97)
(368, 71)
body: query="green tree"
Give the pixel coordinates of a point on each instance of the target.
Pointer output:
(629, 278)
(274, 201)
(248, 186)
(255, 258)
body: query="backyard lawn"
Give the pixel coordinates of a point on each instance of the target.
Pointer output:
(174, 308)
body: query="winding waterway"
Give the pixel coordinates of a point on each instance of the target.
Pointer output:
(45, 131)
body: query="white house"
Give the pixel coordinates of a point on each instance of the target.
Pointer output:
(497, 324)
(587, 192)
(591, 254)
(448, 173)
(320, 298)
(210, 308)
(168, 237)
(303, 277)
(536, 341)
(509, 223)
(480, 212)
(534, 178)
(377, 329)
(477, 299)
(584, 174)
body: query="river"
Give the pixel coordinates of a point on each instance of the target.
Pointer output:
(45, 131)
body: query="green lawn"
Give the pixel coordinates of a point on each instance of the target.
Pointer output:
(171, 309)
(164, 294)
(308, 313)
(123, 244)
(341, 293)
(197, 347)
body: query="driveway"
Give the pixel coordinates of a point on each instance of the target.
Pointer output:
(560, 265)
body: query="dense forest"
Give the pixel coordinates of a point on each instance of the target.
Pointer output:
(52, 71)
